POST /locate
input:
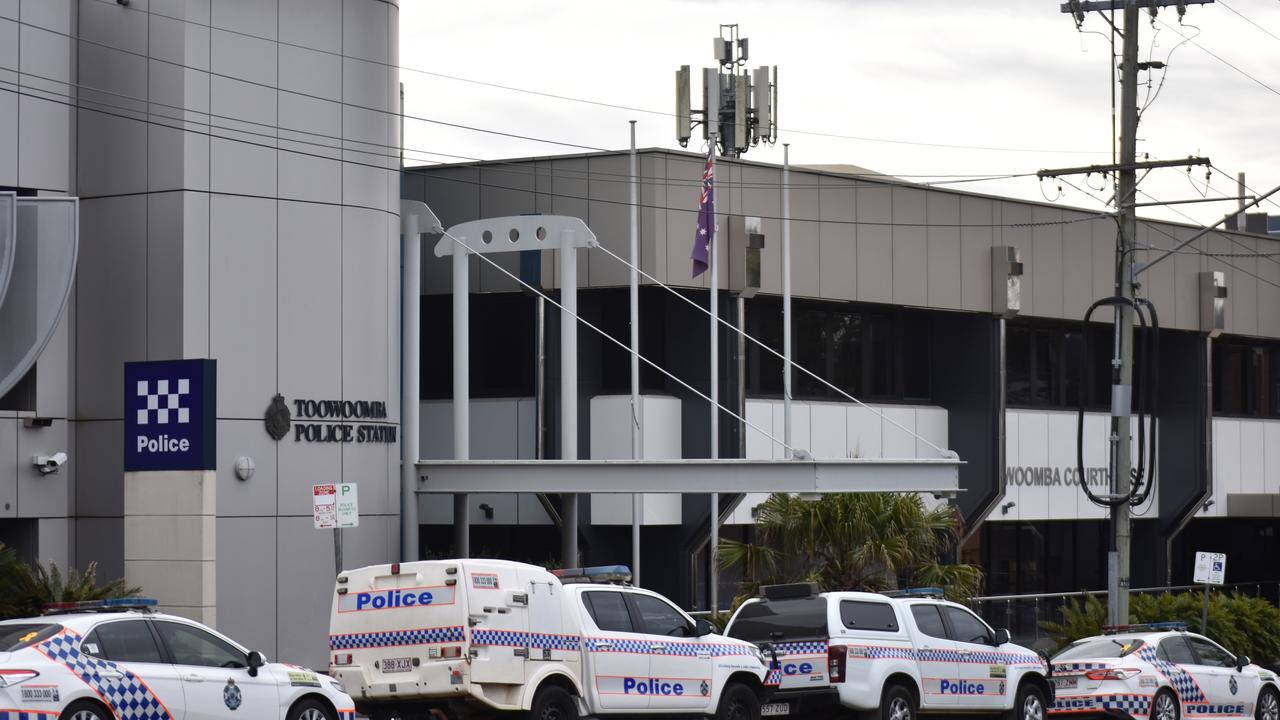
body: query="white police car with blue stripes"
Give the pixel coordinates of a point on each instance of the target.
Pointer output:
(120, 660)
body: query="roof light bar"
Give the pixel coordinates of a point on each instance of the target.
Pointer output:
(1145, 627)
(108, 605)
(599, 574)
(921, 592)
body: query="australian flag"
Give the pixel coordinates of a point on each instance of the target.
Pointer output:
(706, 217)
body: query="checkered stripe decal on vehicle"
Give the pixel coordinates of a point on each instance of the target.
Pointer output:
(817, 647)
(347, 714)
(876, 652)
(27, 714)
(1185, 685)
(392, 638)
(1132, 704)
(517, 638)
(672, 647)
(123, 691)
(1059, 667)
(773, 678)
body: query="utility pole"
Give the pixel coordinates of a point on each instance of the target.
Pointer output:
(1118, 559)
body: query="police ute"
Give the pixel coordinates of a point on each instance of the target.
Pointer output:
(120, 660)
(458, 638)
(889, 655)
(1163, 672)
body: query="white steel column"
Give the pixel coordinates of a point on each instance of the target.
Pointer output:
(461, 395)
(415, 219)
(637, 443)
(786, 296)
(569, 391)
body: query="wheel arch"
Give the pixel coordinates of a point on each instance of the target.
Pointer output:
(551, 676)
(318, 697)
(1039, 681)
(904, 679)
(90, 700)
(749, 679)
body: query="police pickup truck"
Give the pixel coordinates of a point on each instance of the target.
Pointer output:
(460, 638)
(895, 654)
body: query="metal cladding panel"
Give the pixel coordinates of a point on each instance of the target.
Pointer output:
(8, 239)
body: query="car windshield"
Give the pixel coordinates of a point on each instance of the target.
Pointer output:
(1105, 647)
(21, 635)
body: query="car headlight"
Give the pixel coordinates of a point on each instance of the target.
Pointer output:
(759, 655)
(337, 684)
(9, 678)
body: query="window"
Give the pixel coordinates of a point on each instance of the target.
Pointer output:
(1211, 654)
(966, 627)
(193, 646)
(1176, 651)
(124, 641)
(929, 620)
(16, 637)
(774, 620)
(609, 611)
(1246, 377)
(858, 615)
(1109, 647)
(660, 618)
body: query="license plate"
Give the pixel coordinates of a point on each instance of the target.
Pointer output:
(1064, 683)
(775, 709)
(397, 665)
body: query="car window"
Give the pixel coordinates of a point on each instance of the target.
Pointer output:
(966, 627)
(21, 635)
(859, 615)
(123, 641)
(929, 620)
(1106, 647)
(193, 646)
(1210, 654)
(1175, 650)
(608, 610)
(660, 618)
(776, 620)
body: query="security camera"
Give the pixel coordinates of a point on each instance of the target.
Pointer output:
(49, 463)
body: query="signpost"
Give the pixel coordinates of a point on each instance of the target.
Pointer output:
(1211, 569)
(334, 507)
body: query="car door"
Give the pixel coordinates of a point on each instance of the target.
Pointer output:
(215, 675)
(616, 652)
(681, 669)
(935, 656)
(122, 661)
(1176, 660)
(1235, 691)
(981, 681)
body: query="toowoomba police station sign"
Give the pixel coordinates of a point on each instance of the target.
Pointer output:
(329, 421)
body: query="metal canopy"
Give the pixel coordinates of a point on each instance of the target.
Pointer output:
(939, 476)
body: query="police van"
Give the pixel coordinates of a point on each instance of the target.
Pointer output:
(896, 654)
(471, 637)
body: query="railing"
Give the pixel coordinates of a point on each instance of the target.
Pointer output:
(1023, 614)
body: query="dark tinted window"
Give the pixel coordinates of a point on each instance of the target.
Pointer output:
(16, 637)
(858, 615)
(966, 627)
(1176, 650)
(774, 620)
(609, 611)
(193, 646)
(124, 641)
(1210, 654)
(660, 618)
(929, 620)
(1107, 647)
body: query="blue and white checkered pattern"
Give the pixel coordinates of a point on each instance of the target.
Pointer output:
(516, 638)
(817, 647)
(881, 652)
(394, 638)
(123, 691)
(346, 715)
(164, 402)
(1183, 684)
(672, 647)
(27, 715)
(1131, 704)
(773, 678)
(1079, 667)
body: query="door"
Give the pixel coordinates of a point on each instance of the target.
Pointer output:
(127, 666)
(1175, 660)
(935, 655)
(681, 669)
(1232, 691)
(617, 653)
(981, 681)
(215, 674)
(500, 641)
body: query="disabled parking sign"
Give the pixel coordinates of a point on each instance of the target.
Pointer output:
(1211, 568)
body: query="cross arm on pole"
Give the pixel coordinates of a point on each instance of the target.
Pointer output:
(1144, 165)
(1091, 5)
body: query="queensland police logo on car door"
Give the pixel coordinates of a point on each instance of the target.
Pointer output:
(1234, 686)
(231, 695)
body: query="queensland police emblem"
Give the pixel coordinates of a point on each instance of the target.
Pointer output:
(277, 418)
(706, 689)
(1234, 686)
(231, 693)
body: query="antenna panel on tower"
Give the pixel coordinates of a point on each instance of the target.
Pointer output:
(764, 107)
(684, 122)
(741, 99)
(711, 101)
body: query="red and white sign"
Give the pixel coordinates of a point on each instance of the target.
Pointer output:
(335, 506)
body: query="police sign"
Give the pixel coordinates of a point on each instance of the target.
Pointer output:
(169, 411)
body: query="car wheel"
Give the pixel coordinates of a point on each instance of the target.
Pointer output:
(1164, 706)
(1030, 703)
(738, 702)
(553, 703)
(85, 710)
(1268, 704)
(897, 703)
(311, 709)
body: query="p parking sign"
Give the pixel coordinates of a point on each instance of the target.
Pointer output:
(169, 415)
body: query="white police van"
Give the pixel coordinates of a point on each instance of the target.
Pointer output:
(470, 637)
(897, 654)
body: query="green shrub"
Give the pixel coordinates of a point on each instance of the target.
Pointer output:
(29, 589)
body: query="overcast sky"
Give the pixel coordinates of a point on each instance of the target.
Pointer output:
(1012, 74)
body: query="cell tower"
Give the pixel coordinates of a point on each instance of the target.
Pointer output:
(739, 104)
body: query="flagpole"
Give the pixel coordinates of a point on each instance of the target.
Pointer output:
(713, 577)
(786, 296)
(636, 440)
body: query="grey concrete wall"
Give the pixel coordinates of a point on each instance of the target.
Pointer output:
(853, 238)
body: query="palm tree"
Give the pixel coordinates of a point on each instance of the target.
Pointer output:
(28, 589)
(853, 541)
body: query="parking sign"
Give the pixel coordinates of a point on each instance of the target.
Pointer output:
(335, 506)
(1211, 568)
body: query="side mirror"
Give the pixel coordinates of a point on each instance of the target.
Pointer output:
(702, 627)
(256, 660)
(1001, 637)
(1242, 661)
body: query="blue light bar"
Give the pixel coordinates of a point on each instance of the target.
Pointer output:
(130, 603)
(931, 592)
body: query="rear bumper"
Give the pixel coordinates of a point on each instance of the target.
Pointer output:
(1114, 705)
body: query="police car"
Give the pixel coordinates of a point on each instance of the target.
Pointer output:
(888, 655)
(471, 637)
(1163, 672)
(120, 660)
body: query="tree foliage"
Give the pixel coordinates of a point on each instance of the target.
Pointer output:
(29, 588)
(853, 541)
